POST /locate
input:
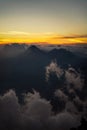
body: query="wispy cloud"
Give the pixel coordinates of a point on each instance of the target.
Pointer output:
(14, 33)
(68, 39)
(70, 36)
(75, 36)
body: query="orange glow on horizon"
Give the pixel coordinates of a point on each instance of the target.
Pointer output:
(47, 38)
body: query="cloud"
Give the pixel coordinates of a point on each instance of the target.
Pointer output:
(76, 36)
(9, 110)
(82, 105)
(68, 93)
(61, 95)
(72, 83)
(70, 107)
(78, 101)
(63, 121)
(43, 107)
(71, 37)
(15, 33)
(53, 68)
(34, 113)
(73, 78)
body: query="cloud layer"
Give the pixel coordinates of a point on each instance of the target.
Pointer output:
(35, 113)
(71, 90)
(72, 78)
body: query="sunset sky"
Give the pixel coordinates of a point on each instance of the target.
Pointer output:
(43, 21)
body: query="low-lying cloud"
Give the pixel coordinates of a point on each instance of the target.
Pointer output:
(72, 78)
(61, 95)
(68, 94)
(35, 113)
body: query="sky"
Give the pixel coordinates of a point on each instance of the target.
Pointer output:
(43, 21)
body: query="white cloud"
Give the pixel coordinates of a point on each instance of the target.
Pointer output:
(53, 68)
(35, 113)
(61, 95)
(15, 33)
(74, 78)
(63, 121)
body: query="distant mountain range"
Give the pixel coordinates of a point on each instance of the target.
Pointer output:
(23, 66)
(12, 50)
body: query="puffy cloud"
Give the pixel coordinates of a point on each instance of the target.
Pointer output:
(82, 105)
(70, 107)
(85, 110)
(73, 78)
(53, 68)
(61, 95)
(37, 107)
(9, 110)
(63, 121)
(78, 101)
(67, 93)
(35, 113)
(71, 91)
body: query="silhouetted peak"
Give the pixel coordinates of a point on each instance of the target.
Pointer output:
(60, 51)
(34, 50)
(33, 47)
(54, 50)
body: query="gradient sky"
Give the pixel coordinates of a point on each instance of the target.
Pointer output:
(54, 21)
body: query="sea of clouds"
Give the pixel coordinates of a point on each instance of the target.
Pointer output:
(35, 113)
